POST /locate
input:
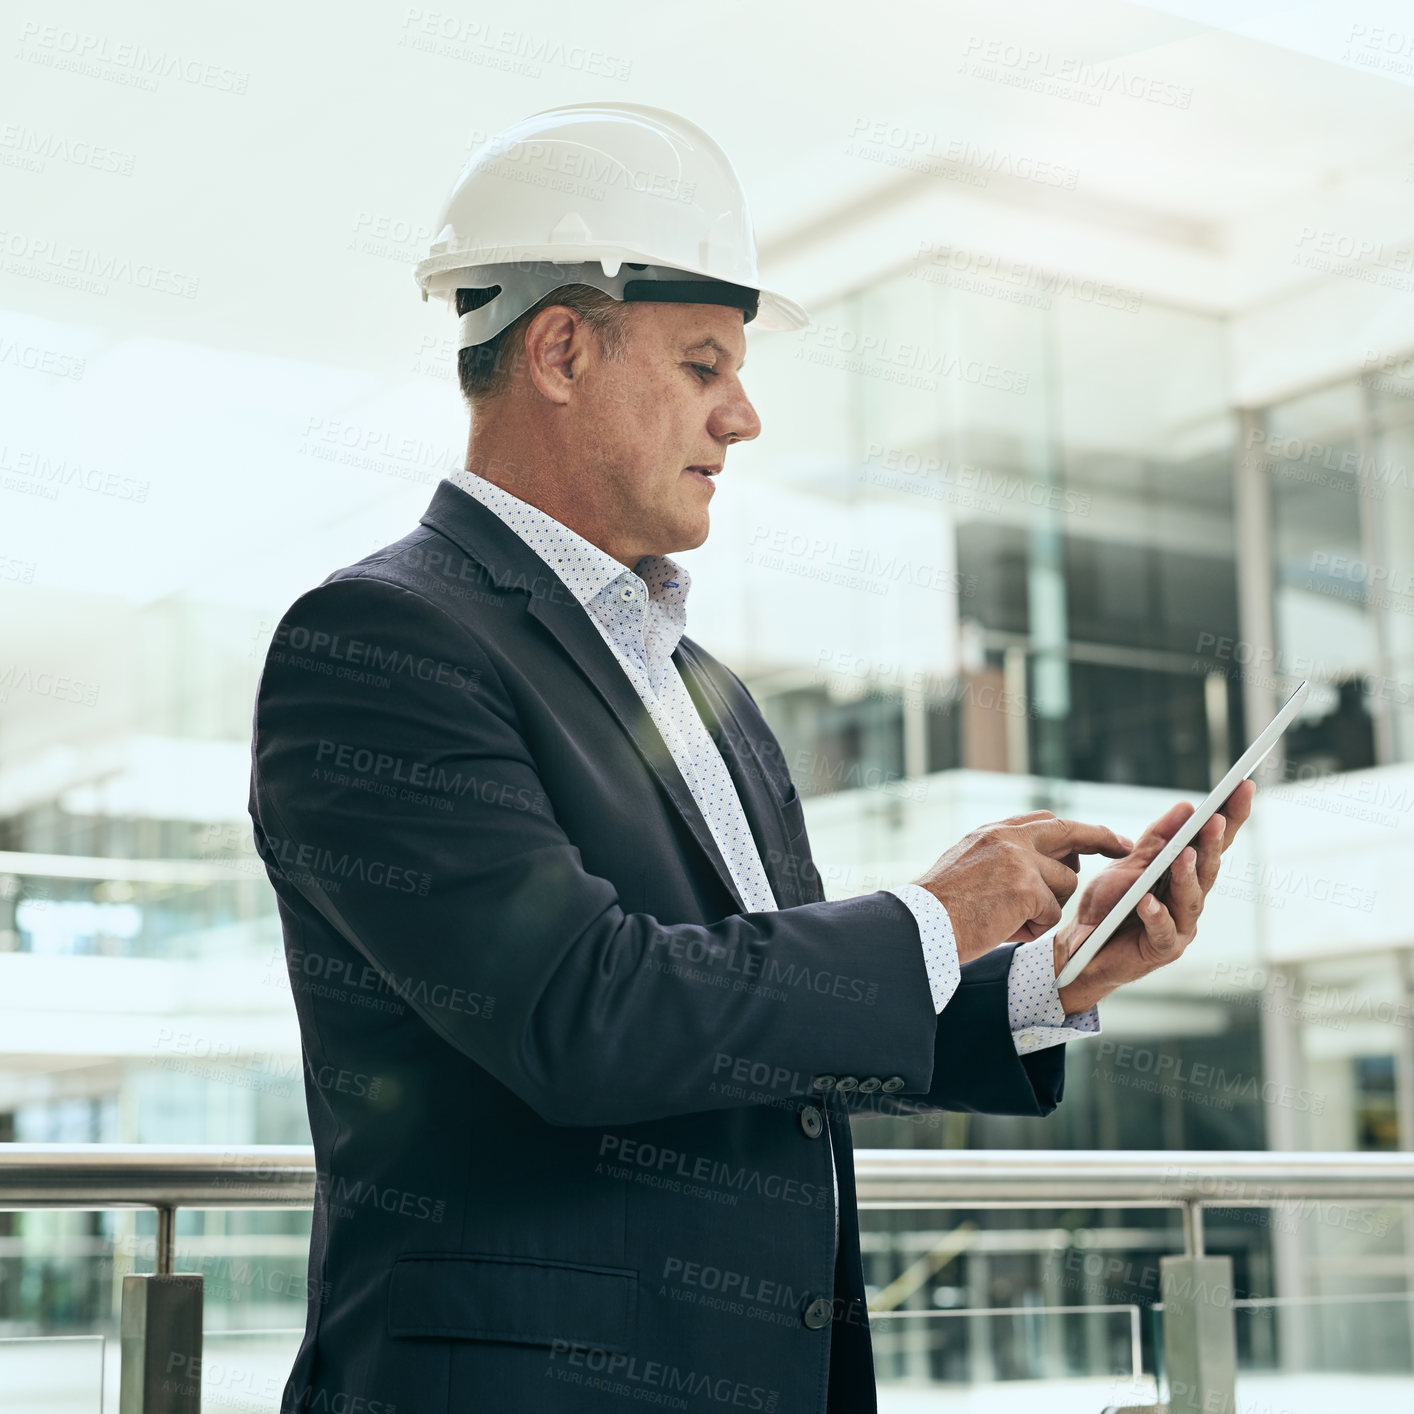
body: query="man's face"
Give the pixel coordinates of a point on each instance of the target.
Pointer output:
(656, 424)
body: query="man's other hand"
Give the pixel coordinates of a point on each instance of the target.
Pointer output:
(1158, 931)
(1008, 882)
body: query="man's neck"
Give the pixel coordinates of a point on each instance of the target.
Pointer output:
(532, 481)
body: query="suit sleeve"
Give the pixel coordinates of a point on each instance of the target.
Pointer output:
(590, 1015)
(976, 1067)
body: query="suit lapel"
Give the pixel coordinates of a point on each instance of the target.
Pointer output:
(567, 620)
(513, 565)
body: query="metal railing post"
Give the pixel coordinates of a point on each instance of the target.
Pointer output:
(160, 1330)
(165, 1242)
(1200, 1334)
(1200, 1330)
(1193, 1228)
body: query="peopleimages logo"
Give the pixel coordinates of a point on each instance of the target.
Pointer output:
(579, 169)
(902, 361)
(320, 865)
(38, 359)
(377, 657)
(57, 261)
(24, 147)
(122, 61)
(17, 677)
(344, 1197)
(1064, 76)
(1176, 1076)
(336, 977)
(510, 50)
(50, 474)
(627, 1374)
(1296, 458)
(661, 1160)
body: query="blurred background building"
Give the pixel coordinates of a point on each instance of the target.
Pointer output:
(1099, 442)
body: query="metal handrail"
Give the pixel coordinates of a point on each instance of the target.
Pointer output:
(282, 1176)
(1157, 1178)
(156, 1176)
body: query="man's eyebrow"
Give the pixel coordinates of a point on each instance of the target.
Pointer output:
(710, 343)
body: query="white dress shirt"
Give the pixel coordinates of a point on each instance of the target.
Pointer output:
(641, 614)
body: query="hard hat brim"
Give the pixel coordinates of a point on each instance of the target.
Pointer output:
(445, 273)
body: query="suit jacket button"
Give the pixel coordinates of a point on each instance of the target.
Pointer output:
(846, 1083)
(817, 1314)
(894, 1084)
(812, 1122)
(869, 1084)
(823, 1082)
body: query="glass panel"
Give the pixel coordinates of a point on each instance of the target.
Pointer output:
(1140, 728)
(62, 1272)
(243, 1372)
(1311, 1355)
(1092, 1346)
(1386, 578)
(1324, 511)
(52, 1375)
(196, 912)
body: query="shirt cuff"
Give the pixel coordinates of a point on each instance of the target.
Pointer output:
(939, 944)
(1034, 1006)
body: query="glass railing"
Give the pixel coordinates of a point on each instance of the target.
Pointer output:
(76, 906)
(939, 1343)
(53, 1374)
(1019, 1347)
(243, 1372)
(1299, 1353)
(62, 1272)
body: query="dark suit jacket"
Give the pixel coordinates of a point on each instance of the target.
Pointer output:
(561, 1085)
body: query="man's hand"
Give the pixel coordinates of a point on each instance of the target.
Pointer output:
(1158, 933)
(1007, 882)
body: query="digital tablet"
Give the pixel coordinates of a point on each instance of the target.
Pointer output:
(1156, 875)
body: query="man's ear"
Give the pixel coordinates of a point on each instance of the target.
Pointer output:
(556, 352)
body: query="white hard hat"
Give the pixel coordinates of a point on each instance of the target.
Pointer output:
(635, 201)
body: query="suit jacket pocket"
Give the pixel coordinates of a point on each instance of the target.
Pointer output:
(522, 1300)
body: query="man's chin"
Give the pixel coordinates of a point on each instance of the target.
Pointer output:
(692, 538)
(686, 533)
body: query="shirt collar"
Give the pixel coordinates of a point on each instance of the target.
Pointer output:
(588, 571)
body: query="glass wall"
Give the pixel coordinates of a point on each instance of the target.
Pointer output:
(1057, 467)
(1073, 464)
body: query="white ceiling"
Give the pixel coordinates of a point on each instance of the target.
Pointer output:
(269, 197)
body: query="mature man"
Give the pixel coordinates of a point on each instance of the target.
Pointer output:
(582, 1036)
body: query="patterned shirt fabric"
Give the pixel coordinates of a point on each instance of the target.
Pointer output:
(641, 614)
(1034, 1007)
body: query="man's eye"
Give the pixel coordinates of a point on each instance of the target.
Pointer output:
(706, 369)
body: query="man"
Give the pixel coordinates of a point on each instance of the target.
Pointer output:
(581, 1034)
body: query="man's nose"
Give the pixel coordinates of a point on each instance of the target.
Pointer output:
(735, 420)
